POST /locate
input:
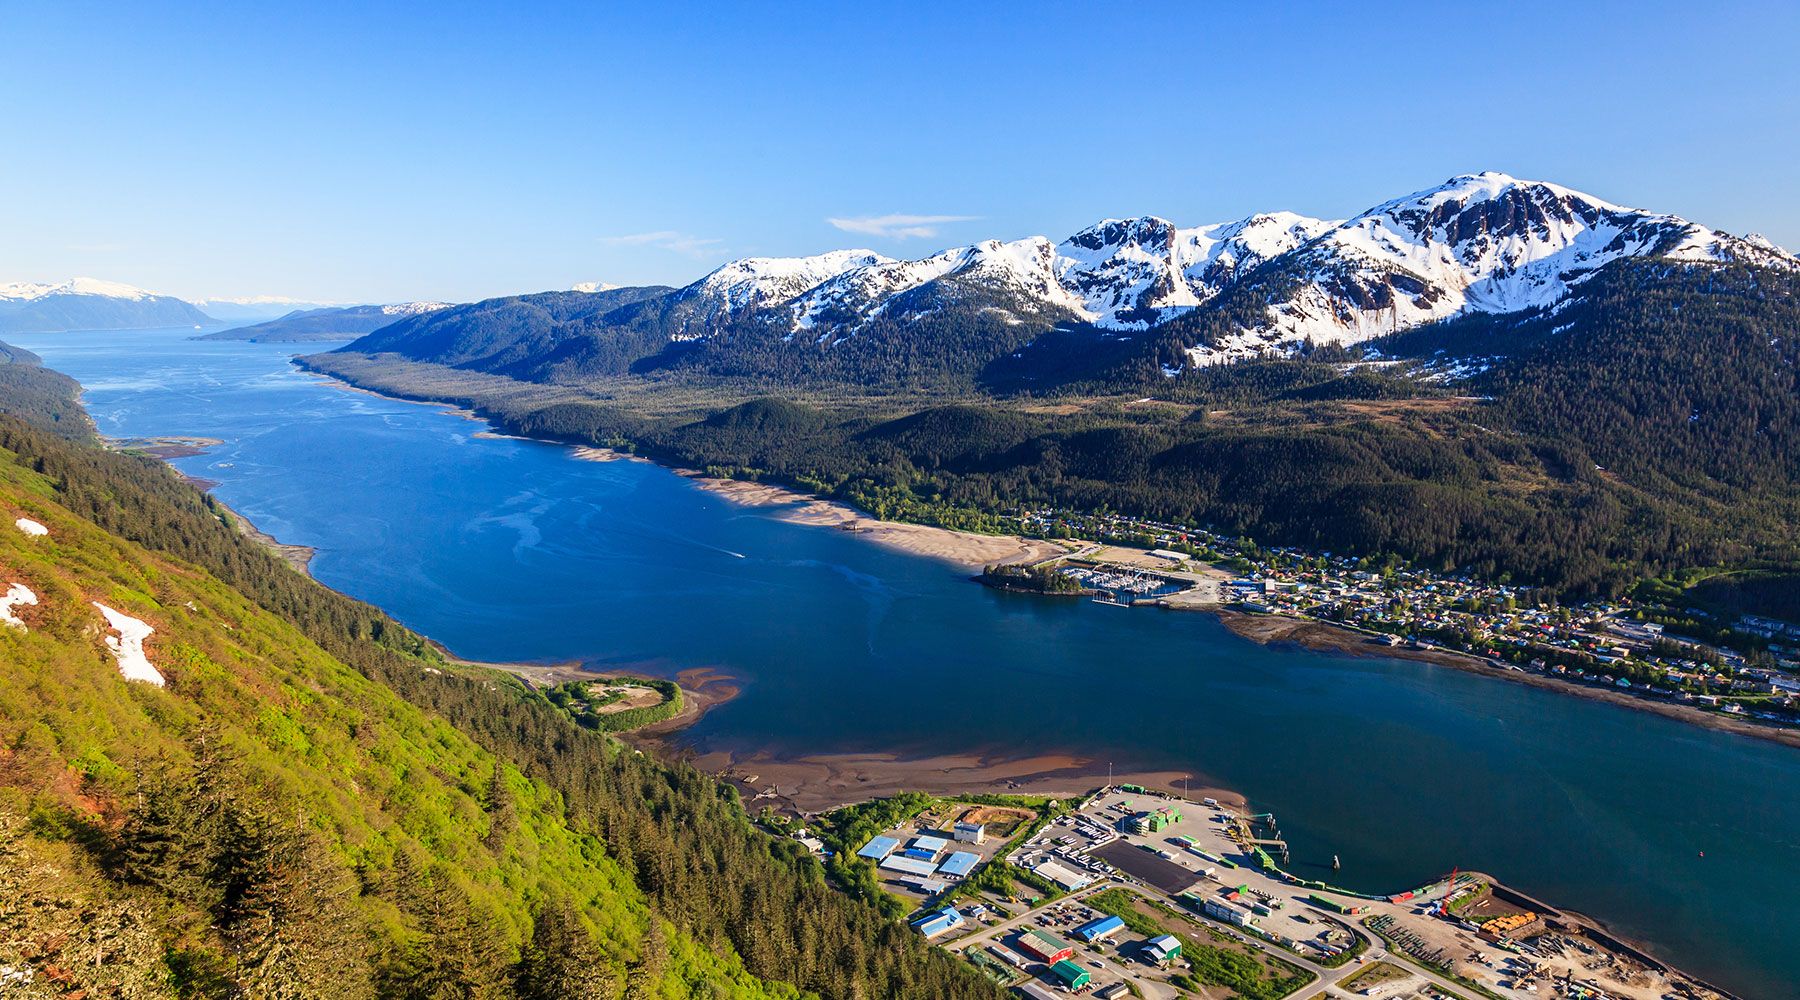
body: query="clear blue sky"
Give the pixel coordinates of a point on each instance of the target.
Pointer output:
(373, 152)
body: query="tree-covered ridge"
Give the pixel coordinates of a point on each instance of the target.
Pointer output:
(375, 822)
(286, 825)
(47, 398)
(1647, 425)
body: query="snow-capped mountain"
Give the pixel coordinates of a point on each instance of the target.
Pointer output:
(1135, 273)
(1477, 243)
(25, 291)
(745, 286)
(1016, 277)
(1268, 283)
(91, 304)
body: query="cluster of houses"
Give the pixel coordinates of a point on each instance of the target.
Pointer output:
(1599, 643)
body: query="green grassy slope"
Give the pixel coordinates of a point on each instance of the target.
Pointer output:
(317, 805)
(276, 821)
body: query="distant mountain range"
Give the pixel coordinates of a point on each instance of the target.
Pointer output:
(257, 307)
(1131, 292)
(329, 323)
(91, 304)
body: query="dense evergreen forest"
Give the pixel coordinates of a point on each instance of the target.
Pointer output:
(47, 398)
(1648, 425)
(318, 806)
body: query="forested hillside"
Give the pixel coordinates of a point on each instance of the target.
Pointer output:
(47, 398)
(315, 805)
(1647, 424)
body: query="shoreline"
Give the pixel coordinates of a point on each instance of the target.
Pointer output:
(819, 782)
(1329, 637)
(964, 549)
(1318, 636)
(810, 784)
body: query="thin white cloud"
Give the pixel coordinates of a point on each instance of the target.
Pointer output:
(667, 239)
(898, 227)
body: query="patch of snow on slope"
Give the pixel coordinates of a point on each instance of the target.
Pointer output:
(128, 646)
(1021, 268)
(16, 595)
(1136, 273)
(414, 308)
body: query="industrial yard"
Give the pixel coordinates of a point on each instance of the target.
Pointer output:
(1134, 892)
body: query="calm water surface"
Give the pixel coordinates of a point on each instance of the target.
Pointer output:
(513, 550)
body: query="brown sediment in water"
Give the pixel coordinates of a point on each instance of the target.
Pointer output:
(814, 783)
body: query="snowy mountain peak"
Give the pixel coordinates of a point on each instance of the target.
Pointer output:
(21, 291)
(758, 281)
(1485, 242)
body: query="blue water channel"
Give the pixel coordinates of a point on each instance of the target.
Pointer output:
(504, 549)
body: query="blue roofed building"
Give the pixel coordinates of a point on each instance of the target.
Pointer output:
(878, 848)
(933, 844)
(1100, 930)
(908, 866)
(959, 864)
(941, 922)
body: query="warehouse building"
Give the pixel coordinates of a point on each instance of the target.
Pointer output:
(933, 844)
(1044, 947)
(878, 848)
(1101, 929)
(1035, 990)
(1066, 879)
(1007, 955)
(908, 866)
(959, 864)
(1070, 975)
(940, 923)
(970, 833)
(1164, 949)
